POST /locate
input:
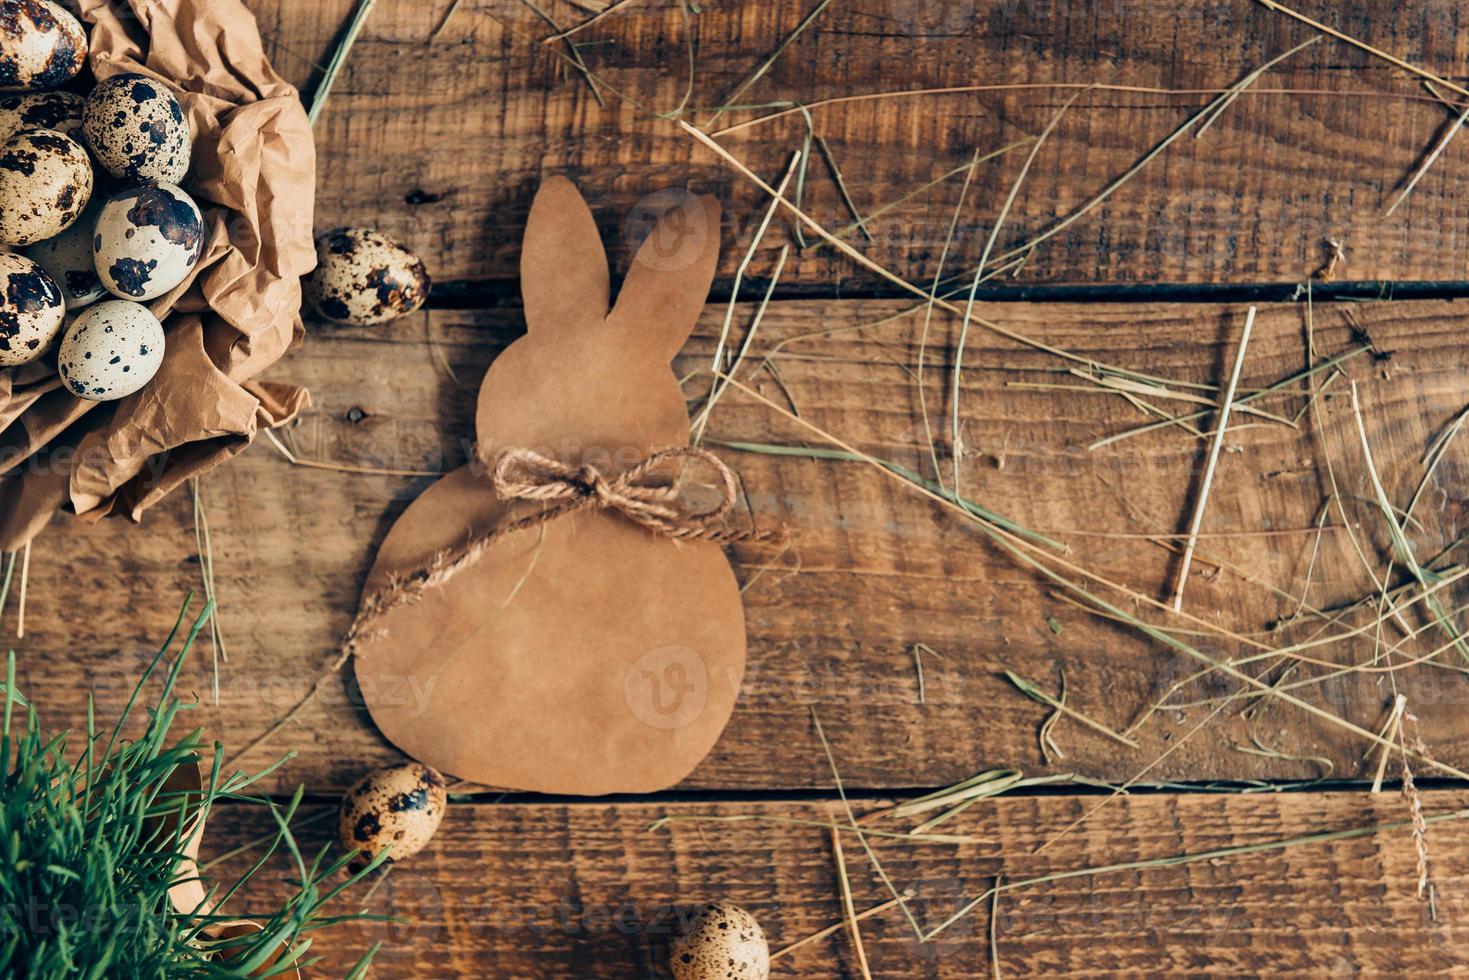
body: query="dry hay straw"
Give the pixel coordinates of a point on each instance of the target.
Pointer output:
(1047, 554)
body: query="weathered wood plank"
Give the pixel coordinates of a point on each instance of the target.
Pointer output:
(588, 891)
(443, 142)
(874, 568)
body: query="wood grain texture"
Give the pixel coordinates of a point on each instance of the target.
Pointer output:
(588, 891)
(874, 568)
(443, 142)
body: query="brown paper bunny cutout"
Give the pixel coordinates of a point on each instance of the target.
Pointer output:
(586, 654)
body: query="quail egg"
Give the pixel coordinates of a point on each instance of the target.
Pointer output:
(61, 111)
(111, 350)
(147, 241)
(363, 277)
(67, 258)
(31, 310)
(45, 184)
(137, 129)
(398, 807)
(721, 942)
(41, 45)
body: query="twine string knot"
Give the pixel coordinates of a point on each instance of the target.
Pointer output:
(636, 494)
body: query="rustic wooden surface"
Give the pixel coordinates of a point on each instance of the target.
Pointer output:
(586, 890)
(442, 143)
(874, 568)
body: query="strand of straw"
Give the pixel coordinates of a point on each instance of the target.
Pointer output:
(1163, 862)
(1228, 403)
(984, 258)
(339, 59)
(5, 585)
(729, 312)
(995, 930)
(596, 18)
(790, 39)
(821, 934)
(1182, 859)
(1376, 52)
(1428, 161)
(317, 464)
(1033, 692)
(881, 270)
(25, 576)
(787, 109)
(857, 826)
(847, 904)
(1021, 549)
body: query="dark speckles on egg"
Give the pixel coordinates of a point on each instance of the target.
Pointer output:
(137, 129)
(720, 941)
(103, 360)
(45, 45)
(45, 181)
(398, 807)
(174, 215)
(334, 309)
(149, 240)
(31, 291)
(31, 310)
(68, 260)
(60, 111)
(19, 161)
(81, 282)
(366, 828)
(363, 277)
(46, 140)
(340, 242)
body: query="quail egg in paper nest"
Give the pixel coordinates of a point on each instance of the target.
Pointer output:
(399, 808)
(67, 258)
(137, 130)
(45, 184)
(31, 310)
(147, 241)
(111, 350)
(363, 278)
(61, 111)
(722, 942)
(41, 45)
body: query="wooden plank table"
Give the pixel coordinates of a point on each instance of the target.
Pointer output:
(439, 132)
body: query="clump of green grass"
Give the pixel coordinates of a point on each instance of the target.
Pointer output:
(94, 835)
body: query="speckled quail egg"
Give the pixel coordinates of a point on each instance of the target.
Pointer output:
(31, 310)
(110, 350)
(45, 184)
(67, 258)
(137, 129)
(363, 277)
(721, 942)
(41, 45)
(147, 241)
(61, 111)
(399, 807)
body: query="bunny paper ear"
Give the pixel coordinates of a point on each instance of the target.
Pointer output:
(669, 281)
(563, 267)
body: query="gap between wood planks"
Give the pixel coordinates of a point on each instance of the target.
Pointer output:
(887, 795)
(495, 294)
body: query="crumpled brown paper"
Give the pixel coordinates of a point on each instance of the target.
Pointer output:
(254, 175)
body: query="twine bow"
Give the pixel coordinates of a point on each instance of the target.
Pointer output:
(523, 474)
